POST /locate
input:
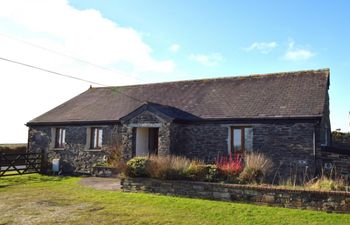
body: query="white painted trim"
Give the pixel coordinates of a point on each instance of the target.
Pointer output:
(238, 125)
(88, 138)
(53, 139)
(156, 125)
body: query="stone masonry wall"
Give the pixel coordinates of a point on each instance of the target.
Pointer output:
(289, 145)
(300, 199)
(201, 141)
(336, 164)
(145, 119)
(74, 157)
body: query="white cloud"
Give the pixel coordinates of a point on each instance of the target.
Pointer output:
(296, 53)
(263, 47)
(85, 34)
(299, 54)
(207, 60)
(174, 48)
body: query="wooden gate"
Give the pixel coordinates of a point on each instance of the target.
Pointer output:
(20, 163)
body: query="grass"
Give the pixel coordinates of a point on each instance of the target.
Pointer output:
(13, 146)
(36, 199)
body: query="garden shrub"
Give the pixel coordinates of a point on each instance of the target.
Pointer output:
(327, 184)
(229, 168)
(258, 161)
(251, 175)
(197, 171)
(136, 167)
(257, 165)
(167, 167)
(212, 173)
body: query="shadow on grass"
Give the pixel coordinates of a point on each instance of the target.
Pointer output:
(28, 179)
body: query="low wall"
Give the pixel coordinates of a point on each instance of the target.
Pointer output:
(300, 199)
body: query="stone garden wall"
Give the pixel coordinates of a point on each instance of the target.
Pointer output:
(300, 199)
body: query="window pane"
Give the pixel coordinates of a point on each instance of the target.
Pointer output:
(57, 138)
(96, 138)
(63, 136)
(237, 139)
(100, 133)
(248, 139)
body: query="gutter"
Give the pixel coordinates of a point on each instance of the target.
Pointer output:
(201, 120)
(97, 122)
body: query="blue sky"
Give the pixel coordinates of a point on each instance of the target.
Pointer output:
(128, 42)
(229, 28)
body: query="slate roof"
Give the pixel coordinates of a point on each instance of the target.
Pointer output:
(278, 95)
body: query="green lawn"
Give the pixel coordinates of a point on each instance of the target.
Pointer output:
(35, 199)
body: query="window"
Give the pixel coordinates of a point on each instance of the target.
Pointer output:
(96, 138)
(241, 139)
(60, 137)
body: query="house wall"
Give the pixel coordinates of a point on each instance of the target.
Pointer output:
(288, 144)
(200, 141)
(75, 157)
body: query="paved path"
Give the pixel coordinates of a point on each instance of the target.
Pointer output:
(101, 183)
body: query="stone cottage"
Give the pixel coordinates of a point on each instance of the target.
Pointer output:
(283, 115)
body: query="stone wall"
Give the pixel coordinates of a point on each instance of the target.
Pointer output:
(201, 141)
(300, 199)
(336, 164)
(288, 144)
(75, 157)
(145, 119)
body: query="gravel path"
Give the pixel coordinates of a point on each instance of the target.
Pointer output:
(101, 183)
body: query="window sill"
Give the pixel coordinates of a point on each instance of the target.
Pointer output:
(93, 150)
(57, 149)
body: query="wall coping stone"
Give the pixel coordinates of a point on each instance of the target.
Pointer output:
(245, 186)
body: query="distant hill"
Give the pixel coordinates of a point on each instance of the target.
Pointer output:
(13, 148)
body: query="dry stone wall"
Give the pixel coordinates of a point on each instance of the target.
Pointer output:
(298, 199)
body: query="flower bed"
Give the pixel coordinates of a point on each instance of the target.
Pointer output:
(230, 169)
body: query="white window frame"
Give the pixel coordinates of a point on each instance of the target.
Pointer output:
(89, 135)
(62, 137)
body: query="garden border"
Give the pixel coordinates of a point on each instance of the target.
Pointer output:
(329, 201)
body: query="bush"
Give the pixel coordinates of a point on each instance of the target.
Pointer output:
(257, 165)
(229, 168)
(167, 167)
(213, 173)
(251, 175)
(258, 162)
(197, 171)
(136, 167)
(327, 184)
